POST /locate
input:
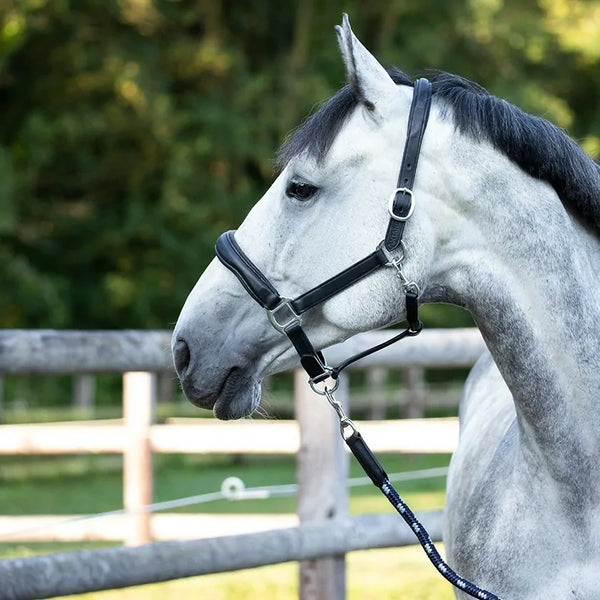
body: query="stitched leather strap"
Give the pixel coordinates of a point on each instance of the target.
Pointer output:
(339, 282)
(311, 360)
(260, 288)
(254, 282)
(417, 123)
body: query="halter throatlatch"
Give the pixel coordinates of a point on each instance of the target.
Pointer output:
(285, 315)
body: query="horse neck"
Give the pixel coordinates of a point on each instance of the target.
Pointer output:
(533, 287)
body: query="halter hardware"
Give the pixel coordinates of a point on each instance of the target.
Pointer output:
(396, 257)
(324, 390)
(392, 207)
(290, 317)
(285, 315)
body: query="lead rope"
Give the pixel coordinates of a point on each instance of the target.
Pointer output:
(379, 477)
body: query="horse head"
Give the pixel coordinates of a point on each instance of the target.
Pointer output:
(326, 209)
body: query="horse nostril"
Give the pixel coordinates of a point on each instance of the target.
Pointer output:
(181, 357)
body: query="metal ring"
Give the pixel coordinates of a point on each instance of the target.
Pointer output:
(325, 389)
(411, 208)
(411, 285)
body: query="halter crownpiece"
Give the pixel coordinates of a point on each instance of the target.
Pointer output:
(402, 203)
(285, 314)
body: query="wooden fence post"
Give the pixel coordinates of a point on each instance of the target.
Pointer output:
(322, 472)
(139, 391)
(377, 393)
(166, 387)
(84, 392)
(414, 381)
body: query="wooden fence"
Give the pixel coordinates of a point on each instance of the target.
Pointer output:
(54, 575)
(321, 491)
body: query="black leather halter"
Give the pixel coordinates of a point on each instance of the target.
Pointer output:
(285, 314)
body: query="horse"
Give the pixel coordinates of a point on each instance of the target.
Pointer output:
(506, 224)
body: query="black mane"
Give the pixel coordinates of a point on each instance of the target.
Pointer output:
(539, 148)
(318, 132)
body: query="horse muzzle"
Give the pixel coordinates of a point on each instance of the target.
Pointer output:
(230, 391)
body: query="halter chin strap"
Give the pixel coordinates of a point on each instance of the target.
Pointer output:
(285, 314)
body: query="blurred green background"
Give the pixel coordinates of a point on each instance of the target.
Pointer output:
(132, 132)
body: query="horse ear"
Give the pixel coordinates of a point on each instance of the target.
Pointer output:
(369, 79)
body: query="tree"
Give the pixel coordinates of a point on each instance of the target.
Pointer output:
(133, 133)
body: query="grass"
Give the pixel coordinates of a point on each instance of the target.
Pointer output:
(93, 484)
(89, 484)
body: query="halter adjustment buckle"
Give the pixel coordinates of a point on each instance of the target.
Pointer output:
(411, 207)
(283, 315)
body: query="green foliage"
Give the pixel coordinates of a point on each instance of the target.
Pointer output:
(132, 133)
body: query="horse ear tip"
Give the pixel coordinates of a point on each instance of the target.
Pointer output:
(344, 31)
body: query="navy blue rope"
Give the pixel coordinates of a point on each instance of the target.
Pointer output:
(425, 540)
(373, 468)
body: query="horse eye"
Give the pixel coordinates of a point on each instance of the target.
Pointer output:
(300, 190)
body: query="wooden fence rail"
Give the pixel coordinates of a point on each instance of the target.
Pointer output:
(55, 352)
(48, 576)
(205, 436)
(47, 352)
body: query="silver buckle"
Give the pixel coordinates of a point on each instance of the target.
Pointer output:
(411, 208)
(289, 317)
